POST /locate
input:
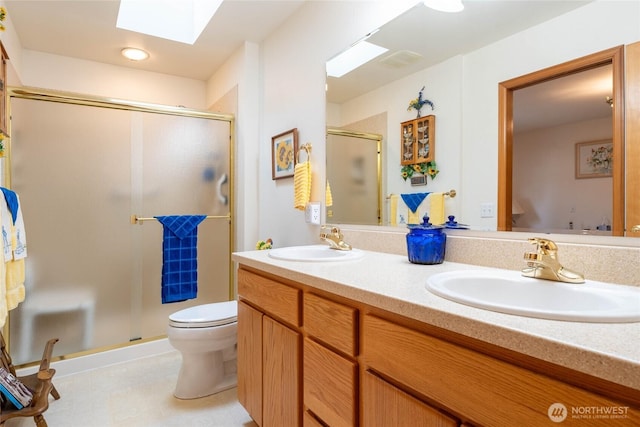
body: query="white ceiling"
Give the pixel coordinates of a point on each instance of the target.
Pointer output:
(86, 29)
(436, 36)
(569, 99)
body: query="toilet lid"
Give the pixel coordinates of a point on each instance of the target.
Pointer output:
(206, 315)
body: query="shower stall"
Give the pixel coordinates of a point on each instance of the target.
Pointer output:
(91, 175)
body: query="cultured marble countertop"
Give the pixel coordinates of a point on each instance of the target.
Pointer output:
(610, 351)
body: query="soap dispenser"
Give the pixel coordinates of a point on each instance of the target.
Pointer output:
(426, 243)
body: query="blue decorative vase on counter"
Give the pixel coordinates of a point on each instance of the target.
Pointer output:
(426, 243)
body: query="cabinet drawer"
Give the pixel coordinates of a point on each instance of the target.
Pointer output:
(331, 323)
(276, 299)
(386, 405)
(329, 385)
(464, 381)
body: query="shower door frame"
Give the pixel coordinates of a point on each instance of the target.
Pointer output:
(120, 104)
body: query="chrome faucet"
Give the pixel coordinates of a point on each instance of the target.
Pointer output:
(333, 236)
(544, 264)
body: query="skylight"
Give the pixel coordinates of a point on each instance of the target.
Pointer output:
(178, 20)
(358, 54)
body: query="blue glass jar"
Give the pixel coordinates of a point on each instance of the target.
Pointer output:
(426, 243)
(452, 223)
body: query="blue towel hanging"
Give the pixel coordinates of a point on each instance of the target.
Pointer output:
(12, 202)
(179, 257)
(413, 200)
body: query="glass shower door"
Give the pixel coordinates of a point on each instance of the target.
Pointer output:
(93, 277)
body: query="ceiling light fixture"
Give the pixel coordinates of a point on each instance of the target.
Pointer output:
(445, 5)
(134, 54)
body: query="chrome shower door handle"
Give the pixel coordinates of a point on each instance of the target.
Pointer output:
(223, 180)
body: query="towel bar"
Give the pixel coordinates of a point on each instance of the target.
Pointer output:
(306, 147)
(135, 219)
(450, 193)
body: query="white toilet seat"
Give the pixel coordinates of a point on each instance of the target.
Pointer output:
(206, 315)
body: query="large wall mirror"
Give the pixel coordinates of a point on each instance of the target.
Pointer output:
(442, 49)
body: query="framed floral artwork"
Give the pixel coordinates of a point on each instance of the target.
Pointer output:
(284, 147)
(594, 159)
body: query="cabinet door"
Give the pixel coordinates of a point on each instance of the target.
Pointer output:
(425, 139)
(385, 405)
(407, 143)
(250, 360)
(280, 375)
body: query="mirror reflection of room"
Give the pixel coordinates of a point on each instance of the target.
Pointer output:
(462, 83)
(354, 169)
(555, 189)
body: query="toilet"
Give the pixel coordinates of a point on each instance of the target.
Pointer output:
(206, 336)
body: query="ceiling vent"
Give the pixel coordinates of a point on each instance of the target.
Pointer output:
(401, 58)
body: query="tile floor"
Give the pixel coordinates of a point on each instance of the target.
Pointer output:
(138, 393)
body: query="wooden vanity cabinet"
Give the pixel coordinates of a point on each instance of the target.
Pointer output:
(269, 350)
(307, 358)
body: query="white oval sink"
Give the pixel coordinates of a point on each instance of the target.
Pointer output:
(509, 292)
(314, 253)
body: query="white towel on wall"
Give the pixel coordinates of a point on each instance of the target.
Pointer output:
(14, 253)
(14, 237)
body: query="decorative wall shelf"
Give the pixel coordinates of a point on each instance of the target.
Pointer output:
(417, 140)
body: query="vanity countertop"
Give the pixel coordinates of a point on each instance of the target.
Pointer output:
(390, 282)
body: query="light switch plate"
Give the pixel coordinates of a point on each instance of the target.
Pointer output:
(312, 213)
(487, 210)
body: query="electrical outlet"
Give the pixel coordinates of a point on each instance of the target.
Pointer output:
(487, 210)
(312, 213)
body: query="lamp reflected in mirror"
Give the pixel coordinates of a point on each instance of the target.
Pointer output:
(516, 211)
(451, 6)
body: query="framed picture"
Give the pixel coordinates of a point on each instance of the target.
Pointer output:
(283, 154)
(594, 159)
